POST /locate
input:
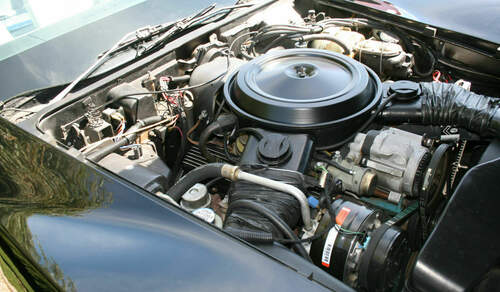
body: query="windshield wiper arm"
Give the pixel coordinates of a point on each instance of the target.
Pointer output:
(148, 32)
(190, 22)
(169, 30)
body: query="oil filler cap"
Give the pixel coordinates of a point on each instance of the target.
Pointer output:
(274, 149)
(405, 90)
(196, 197)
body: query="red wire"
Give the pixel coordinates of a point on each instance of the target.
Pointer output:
(436, 75)
(169, 98)
(180, 131)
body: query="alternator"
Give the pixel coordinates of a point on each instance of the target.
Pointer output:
(397, 156)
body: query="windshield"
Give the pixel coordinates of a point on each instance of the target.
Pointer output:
(27, 23)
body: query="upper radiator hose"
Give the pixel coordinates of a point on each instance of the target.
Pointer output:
(449, 104)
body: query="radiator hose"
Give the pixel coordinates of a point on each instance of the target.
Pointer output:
(449, 104)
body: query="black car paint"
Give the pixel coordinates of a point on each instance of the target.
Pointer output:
(84, 228)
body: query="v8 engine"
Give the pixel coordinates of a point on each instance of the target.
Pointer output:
(313, 132)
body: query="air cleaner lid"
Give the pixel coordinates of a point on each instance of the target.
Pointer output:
(302, 88)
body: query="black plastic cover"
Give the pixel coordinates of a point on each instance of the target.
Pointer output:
(465, 245)
(297, 156)
(136, 107)
(405, 90)
(304, 89)
(152, 176)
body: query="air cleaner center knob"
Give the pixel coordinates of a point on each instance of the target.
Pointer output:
(301, 71)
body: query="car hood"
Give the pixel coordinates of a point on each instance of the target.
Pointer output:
(69, 225)
(480, 19)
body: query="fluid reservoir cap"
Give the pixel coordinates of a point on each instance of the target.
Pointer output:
(405, 90)
(196, 197)
(274, 149)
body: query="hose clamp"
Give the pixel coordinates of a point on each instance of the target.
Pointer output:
(230, 171)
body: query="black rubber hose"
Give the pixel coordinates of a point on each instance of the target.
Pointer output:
(323, 36)
(182, 78)
(181, 151)
(205, 135)
(275, 219)
(199, 174)
(251, 236)
(224, 123)
(450, 104)
(125, 140)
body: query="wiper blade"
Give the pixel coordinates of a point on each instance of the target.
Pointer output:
(167, 31)
(141, 35)
(190, 22)
(205, 11)
(148, 32)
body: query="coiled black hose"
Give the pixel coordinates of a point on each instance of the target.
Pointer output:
(251, 236)
(449, 104)
(282, 204)
(281, 225)
(125, 140)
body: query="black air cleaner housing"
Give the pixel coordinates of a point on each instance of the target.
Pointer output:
(311, 91)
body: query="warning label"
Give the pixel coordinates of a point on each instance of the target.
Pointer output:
(342, 215)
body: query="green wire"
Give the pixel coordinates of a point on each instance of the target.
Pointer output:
(347, 231)
(322, 168)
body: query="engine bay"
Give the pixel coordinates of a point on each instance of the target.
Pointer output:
(339, 138)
